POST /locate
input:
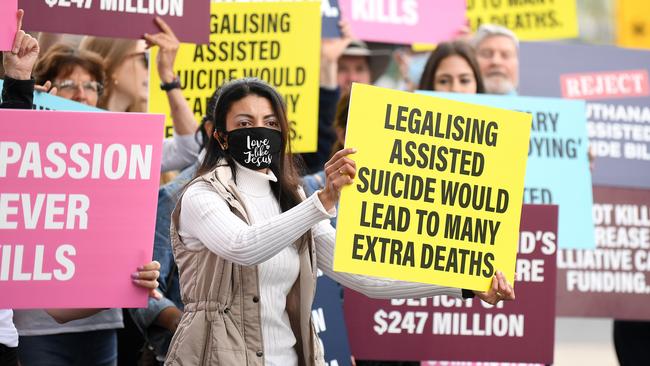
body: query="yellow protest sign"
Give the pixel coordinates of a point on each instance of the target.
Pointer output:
(632, 23)
(438, 193)
(276, 42)
(531, 20)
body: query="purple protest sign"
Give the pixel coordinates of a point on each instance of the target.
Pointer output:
(614, 82)
(613, 280)
(404, 21)
(119, 18)
(8, 23)
(442, 328)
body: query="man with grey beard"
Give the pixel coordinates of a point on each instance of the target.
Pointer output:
(497, 52)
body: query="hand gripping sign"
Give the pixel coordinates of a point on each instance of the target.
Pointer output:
(438, 192)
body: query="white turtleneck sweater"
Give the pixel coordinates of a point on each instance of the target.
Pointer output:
(206, 220)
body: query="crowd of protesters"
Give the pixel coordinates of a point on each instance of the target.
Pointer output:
(263, 230)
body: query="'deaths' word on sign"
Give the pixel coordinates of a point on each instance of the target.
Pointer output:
(276, 42)
(78, 196)
(438, 192)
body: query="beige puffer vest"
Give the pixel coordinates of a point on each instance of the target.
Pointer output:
(221, 324)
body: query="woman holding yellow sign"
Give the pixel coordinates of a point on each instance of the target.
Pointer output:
(248, 243)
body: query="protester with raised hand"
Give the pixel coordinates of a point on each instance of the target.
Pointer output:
(248, 244)
(127, 84)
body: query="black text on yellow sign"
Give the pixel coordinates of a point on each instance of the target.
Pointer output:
(276, 42)
(438, 193)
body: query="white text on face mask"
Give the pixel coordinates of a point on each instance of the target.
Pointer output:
(258, 152)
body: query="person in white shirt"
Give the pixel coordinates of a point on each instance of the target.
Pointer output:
(244, 210)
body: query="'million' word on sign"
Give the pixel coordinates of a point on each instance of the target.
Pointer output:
(158, 7)
(78, 191)
(438, 191)
(118, 18)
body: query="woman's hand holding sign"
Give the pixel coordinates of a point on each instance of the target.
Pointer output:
(340, 170)
(500, 290)
(18, 63)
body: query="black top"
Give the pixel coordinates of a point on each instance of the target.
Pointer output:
(17, 94)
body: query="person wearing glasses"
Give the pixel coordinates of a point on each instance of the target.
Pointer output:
(75, 75)
(126, 89)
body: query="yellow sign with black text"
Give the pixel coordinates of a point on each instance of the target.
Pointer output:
(632, 23)
(438, 193)
(276, 42)
(531, 20)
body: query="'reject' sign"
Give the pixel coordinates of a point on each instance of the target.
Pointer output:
(438, 193)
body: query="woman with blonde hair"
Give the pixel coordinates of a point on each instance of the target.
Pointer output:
(127, 87)
(126, 65)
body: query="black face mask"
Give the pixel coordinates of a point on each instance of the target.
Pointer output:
(255, 148)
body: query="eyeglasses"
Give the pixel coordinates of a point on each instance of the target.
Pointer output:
(70, 86)
(142, 57)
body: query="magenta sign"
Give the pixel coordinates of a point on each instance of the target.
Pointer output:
(451, 329)
(190, 20)
(77, 207)
(404, 21)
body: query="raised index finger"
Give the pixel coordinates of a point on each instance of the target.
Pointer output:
(19, 19)
(164, 26)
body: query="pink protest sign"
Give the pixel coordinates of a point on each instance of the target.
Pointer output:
(77, 207)
(404, 21)
(190, 20)
(8, 23)
(451, 329)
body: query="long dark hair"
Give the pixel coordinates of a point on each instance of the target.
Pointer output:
(285, 189)
(444, 50)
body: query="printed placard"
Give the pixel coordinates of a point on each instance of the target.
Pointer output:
(79, 193)
(404, 21)
(632, 24)
(613, 280)
(433, 328)
(438, 192)
(530, 20)
(8, 24)
(614, 82)
(281, 47)
(189, 19)
(558, 164)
